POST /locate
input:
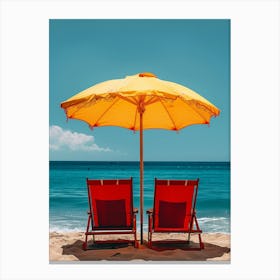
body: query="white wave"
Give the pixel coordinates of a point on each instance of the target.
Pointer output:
(214, 224)
(207, 224)
(207, 219)
(66, 229)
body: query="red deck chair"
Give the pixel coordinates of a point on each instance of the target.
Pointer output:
(174, 210)
(111, 209)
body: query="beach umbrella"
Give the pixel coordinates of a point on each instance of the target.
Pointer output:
(139, 102)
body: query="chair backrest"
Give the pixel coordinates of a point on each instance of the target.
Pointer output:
(111, 203)
(174, 204)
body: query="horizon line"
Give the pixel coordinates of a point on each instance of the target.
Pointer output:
(144, 161)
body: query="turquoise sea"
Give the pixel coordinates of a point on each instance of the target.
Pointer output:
(68, 202)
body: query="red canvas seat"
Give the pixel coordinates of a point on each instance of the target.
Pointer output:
(111, 209)
(174, 209)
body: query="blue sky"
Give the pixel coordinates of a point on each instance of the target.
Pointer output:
(194, 53)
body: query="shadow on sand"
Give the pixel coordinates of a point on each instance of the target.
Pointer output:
(126, 252)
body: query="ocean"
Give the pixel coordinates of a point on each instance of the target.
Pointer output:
(68, 201)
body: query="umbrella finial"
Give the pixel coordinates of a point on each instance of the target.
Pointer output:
(147, 74)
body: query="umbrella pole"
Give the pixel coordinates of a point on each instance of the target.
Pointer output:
(141, 176)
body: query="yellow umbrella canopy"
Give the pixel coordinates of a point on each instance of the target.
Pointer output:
(139, 102)
(166, 105)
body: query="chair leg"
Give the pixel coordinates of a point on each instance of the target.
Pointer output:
(189, 238)
(201, 244)
(85, 243)
(136, 244)
(150, 232)
(150, 241)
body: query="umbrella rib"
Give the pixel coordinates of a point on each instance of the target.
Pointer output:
(168, 113)
(134, 124)
(127, 99)
(106, 111)
(111, 105)
(79, 105)
(152, 100)
(185, 101)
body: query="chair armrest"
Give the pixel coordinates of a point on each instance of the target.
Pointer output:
(135, 210)
(150, 211)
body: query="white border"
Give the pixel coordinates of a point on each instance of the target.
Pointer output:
(254, 142)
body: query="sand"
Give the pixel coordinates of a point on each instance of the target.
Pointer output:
(67, 246)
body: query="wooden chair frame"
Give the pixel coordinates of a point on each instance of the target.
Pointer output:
(96, 230)
(189, 230)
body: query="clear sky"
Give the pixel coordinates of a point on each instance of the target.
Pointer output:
(194, 53)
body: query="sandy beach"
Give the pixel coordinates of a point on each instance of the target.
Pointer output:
(67, 246)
